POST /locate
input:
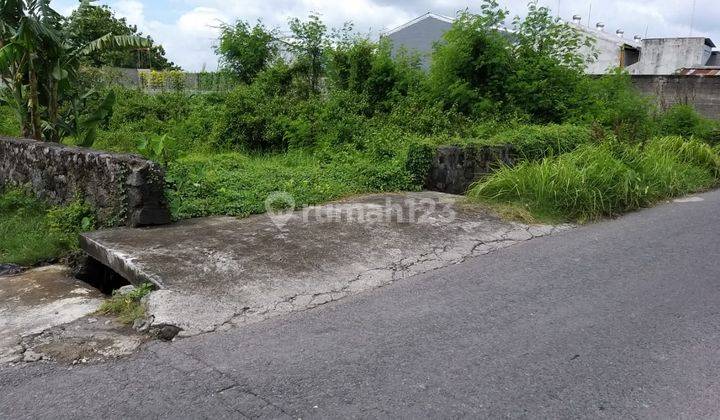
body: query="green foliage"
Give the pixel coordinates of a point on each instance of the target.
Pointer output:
(604, 180)
(309, 44)
(66, 222)
(254, 121)
(614, 104)
(186, 119)
(246, 51)
(33, 233)
(683, 120)
(480, 69)
(471, 67)
(155, 147)
(534, 142)
(89, 22)
(548, 66)
(237, 184)
(8, 122)
(419, 161)
(39, 70)
(127, 307)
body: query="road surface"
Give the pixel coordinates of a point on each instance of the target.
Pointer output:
(615, 319)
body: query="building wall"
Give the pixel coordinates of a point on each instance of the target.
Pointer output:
(701, 92)
(420, 38)
(665, 56)
(608, 56)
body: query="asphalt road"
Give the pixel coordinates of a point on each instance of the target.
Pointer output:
(616, 319)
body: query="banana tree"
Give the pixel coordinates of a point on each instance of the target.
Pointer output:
(39, 70)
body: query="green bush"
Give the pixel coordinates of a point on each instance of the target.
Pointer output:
(66, 222)
(419, 161)
(253, 120)
(683, 120)
(534, 142)
(34, 233)
(604, 180)
(614, 104)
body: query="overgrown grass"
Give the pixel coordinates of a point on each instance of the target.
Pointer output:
(127, 307)
(32, 232)
(9, 125)
(533, 142)
(237, 184)
(604, 180)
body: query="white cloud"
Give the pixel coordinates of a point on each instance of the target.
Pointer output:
(132, 10)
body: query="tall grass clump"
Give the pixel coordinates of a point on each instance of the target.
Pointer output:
(584, 184)
(604, 180)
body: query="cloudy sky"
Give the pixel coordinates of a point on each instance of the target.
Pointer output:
(188, 28)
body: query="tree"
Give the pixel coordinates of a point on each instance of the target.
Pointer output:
(246, 51)
(309, 45)
(39, 70)
(472, 63)
(89, 22)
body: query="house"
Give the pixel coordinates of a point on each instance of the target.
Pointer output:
(613, 50)
(420, 35)
(666, 56)
(655, 56)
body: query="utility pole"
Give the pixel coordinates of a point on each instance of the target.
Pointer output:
(692, 17)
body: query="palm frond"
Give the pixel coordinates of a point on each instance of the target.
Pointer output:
(110, 41)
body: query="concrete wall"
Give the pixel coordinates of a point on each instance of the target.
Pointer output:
(454, 169)
(665, 56)
(701, 92)
(613, 51)
(124, 189)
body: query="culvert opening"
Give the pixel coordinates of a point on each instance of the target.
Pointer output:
(99, 276)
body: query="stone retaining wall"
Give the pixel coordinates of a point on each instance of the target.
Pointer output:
(455, 168)
(124, 189)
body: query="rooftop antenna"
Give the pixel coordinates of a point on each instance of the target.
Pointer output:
(692, 17)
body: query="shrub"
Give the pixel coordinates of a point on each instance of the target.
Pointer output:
(419, 161)
(538, 141)
(252, 120)
(683, 120)
(66, 222)
(32, 233)
(613, 102)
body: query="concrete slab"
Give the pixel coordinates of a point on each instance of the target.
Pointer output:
(221, 271)
(37, 300)
(46, 314)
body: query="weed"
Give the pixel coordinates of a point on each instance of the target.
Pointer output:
(127, 307)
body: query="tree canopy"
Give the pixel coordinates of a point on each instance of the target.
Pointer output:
(89, 22)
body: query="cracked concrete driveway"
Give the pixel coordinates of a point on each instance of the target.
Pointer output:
(223, 271)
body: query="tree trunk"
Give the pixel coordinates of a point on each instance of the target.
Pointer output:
(34, 103)
(53, 110)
